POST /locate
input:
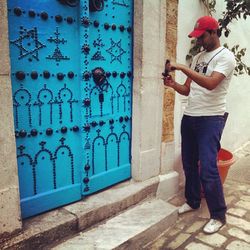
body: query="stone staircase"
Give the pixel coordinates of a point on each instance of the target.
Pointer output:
(132, 229)
(126, 216)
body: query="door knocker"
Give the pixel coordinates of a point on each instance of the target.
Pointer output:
(99, 78)
(71, 3)
(96, 5)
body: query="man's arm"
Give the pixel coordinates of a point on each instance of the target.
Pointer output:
(181, 89)
(208, 82)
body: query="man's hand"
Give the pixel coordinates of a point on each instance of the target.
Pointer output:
(168, 68)
(174, 66)
(168, 81)
(208, 82)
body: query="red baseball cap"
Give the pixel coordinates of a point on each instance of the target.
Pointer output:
(202, 25)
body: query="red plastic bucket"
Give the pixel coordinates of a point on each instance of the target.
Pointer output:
(224, 160)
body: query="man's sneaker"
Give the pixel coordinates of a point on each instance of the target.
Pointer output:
(213, 226)
(185, 208)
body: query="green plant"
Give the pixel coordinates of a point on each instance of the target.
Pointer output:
(210, 5)
(235, 9)
(241, 67)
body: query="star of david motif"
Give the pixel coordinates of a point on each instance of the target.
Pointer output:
(28, 44)
(116, 51)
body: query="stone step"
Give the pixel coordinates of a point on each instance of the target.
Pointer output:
(42, 230)
(132, 229)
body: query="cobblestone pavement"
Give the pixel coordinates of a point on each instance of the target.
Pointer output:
(187, 233)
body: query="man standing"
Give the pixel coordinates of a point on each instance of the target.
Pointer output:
(203, 120)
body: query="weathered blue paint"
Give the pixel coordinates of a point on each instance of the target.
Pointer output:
(72, 135)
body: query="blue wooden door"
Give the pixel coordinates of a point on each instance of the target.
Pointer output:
(72, 130)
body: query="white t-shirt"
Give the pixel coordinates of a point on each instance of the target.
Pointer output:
(204, 102)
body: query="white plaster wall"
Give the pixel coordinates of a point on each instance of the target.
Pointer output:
(237, 131)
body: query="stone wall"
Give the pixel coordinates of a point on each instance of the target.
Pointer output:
(9, 194)
(169, 94)
(169, 178)
(168, 162)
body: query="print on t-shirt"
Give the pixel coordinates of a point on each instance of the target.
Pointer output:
(201, 67)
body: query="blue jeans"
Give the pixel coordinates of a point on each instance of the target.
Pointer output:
(200, 145)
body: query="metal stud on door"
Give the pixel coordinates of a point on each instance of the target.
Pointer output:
(44, 49)
(107, 57)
